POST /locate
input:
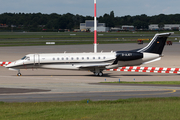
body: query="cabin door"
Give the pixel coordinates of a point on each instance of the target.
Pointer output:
(36, 60)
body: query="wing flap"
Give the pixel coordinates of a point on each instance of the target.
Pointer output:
(101, 65)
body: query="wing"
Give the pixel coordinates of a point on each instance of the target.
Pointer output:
(91, 67)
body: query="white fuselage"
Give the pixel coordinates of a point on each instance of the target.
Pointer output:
(77, 61)
(94, 62)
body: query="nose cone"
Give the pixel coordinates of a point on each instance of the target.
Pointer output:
(10, 65)
(15, 64)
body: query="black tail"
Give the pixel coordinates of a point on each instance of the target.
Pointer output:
(157, 44)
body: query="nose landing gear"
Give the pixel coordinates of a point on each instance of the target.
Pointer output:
(19, 74)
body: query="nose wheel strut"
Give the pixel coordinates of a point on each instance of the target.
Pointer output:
(19, 74)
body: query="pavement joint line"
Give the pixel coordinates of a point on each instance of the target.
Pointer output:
(85, 92)
(89, 96)
(172, 90)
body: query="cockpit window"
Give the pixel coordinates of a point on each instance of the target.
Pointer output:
(27, 58)
(23, 58)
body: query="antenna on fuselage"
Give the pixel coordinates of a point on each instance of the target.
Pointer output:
(95, 28)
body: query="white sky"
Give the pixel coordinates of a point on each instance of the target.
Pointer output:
(85, 7)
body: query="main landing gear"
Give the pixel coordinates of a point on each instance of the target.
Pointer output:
(98, 74)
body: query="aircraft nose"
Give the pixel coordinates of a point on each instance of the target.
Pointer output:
(9, 65)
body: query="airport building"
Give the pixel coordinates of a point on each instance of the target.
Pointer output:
(89, 25)
(127, 27)
(100, 29)
(172, 26)
(153, 27)
(165, 27)
(115, 29)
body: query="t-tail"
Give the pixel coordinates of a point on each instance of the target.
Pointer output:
(150, 53)
(157, 44)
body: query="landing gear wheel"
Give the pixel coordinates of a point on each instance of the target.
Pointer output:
(96, 74)
(100, 74)
(19, 74)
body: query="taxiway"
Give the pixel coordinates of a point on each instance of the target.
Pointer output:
(64, 85)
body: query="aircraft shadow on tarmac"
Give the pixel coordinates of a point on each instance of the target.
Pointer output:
(105, 75)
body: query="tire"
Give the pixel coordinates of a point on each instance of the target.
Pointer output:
(96, 74)
(19, 74)
(100, 74)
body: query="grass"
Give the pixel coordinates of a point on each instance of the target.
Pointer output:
(70, 38)
(152, 82)
(127, 109)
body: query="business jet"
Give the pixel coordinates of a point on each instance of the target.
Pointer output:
(94, 62)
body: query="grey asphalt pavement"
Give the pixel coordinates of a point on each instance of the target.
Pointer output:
(64, 85)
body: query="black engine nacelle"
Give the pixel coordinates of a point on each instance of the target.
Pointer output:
(127, 56)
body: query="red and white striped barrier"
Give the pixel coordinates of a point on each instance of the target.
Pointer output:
(4, 63)
(147, 69)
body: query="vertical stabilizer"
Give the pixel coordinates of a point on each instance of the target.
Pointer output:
(157, 44)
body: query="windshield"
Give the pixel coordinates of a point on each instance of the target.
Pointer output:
(23, 58)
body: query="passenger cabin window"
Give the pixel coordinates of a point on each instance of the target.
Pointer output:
(77, 58)
(88, 58)
(82, 58)
(72, 58)
(93, 57)
(53, 58)
(104, 57)
(62, 58)
(57, 58)
(66, 58)
(99, 57)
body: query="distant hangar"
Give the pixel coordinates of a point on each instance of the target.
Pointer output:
(89, 25)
